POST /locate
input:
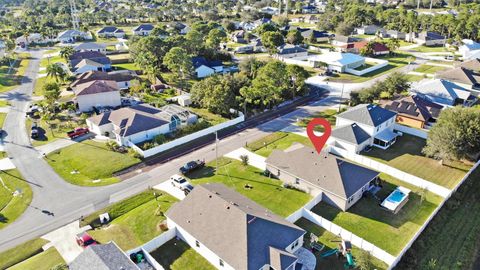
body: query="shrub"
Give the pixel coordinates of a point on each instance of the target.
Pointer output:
(244, 159)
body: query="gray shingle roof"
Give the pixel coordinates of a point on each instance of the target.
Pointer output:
(90, 46)
(351, 133)
(325, 171)
(102, 257)
(232, 226)
(367, 114)
(289, 48)
(461, 75)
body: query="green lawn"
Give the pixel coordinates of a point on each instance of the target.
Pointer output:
(277, 140)
(21, 252)
(9, 81)
(2, 119)
(172, 79)
(4, 103)
(137, 226)
(40, 82)
(178, 255)
(394, 62)
(54, 130)
(406, 156)
(51, 60)
(84, 162)
(128, 66)
(11, 207)
(452, 239)
(327, 114)
(425, 49)
(213, 119)
(266, 191)
(384, 229)
(329, 240)
(414, 78)
(42, 261)
(429, 69)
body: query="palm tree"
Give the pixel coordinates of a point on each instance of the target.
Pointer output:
(56, 71)
(66, 52)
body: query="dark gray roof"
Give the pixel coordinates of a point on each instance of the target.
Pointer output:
(94, 56)
(345, 39)
(238, 230)
(415, 107)
(351, 133)
(289, 48)
(144, 27)
(102, 257)
(110, 29)
(367, 114)
(325, 171)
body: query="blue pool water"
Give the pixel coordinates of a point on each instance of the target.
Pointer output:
(396, 196)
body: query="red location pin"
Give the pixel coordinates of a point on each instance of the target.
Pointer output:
(319, 141)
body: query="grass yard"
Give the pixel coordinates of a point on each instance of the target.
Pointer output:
(87, 162)
(43, 261)
(406, 155)
(21, 252)
(172, 79)
(266, 191)
(2, 119)
(12, 207)
(327, 114)
(51, 60)
(414, 78)
(277, 140)
(127, 66)
(213, 119)
(386, 230)
(137, 226)
(394, 62)
(425, 49)
(9, 81)
(327, 238)
(178, 255)
(4, 103)
(53, 130)
(40, 82)
(452, 239)
(429, 69)
(120, 57)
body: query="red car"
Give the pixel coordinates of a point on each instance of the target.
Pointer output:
(84, 240)
(77, 132)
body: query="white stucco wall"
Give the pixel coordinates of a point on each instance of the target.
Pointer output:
(86, 68)
(145, 135)
(87, 102)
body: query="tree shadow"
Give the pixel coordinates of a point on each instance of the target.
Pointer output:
(3, 218)
(20, 178)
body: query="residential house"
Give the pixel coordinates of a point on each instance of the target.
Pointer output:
(97, 57)
(91, 47)
(261, 21)
(35, 38)
(269, 10)
(111, 31)
(469, 48)
(233, 232)
(102, 257)
(426, 38)
(341, 183)
(291, 51)
(143, 30)
(312, 19)
(318, 36)
(309, 9)
(70, 36)
(340, 40)
(392, 34)
(444, 92)
(98, 93)
(336, 61)
(299, 19)
(356, 47)
(204, 68)
(466, 78)
(123, 78)
(364, 125)
(139, 123)
(414, 111)
(367, 29)
(248, 26)
(87, 65)
(238, 36)
(181, 28)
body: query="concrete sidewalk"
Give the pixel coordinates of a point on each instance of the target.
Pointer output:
(6, 164)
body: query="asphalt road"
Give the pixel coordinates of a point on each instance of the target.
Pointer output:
(56, 202)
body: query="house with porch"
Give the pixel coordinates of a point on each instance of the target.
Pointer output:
(233, 232)
(340, 182)
(444, 92)
(139, 123)
(364, 125)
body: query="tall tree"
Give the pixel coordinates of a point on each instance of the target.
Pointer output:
(215, 37)
(56, 71)
(294, 37)
(178, 61)
(66, 52)
(271, 40)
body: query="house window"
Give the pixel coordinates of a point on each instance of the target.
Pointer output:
(197, 243)
(297, 181)
(221, 262)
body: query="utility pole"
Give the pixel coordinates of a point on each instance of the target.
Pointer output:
(74, 13)
(341, 98)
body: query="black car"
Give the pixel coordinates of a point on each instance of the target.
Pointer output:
(191, 166)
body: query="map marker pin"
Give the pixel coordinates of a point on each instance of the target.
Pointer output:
(319, 141)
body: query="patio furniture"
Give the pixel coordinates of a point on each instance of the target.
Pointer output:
(316, 246)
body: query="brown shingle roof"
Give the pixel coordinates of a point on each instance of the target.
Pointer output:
(325, 171)
(101, 75)
(473, 64)
(95, 87)
(238, 230)
(461, 75)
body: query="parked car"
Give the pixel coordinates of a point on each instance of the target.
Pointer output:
(178, 181)
(32, 110)
(79, 131)
(191, 166)
(34, 131)
(84, 240)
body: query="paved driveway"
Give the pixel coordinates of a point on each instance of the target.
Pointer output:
(170, 189)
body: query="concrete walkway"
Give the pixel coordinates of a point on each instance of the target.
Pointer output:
(64, 240)
(6, 164)
(170, 189)
(254, 160)
(4, 109)
(306, 258)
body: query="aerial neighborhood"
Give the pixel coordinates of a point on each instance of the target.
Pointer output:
(254, 134)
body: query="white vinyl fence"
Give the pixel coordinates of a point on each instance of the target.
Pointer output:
(300, 62)
(299, 213)
(412, 131)
(380, 64)
(406, 177)
(153, 245)
(163, 147)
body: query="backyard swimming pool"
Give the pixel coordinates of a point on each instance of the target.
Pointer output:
(396, 200)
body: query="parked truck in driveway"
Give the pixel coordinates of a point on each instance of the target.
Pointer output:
(77, 132)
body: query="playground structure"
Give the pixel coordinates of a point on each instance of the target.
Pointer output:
(344, 249)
